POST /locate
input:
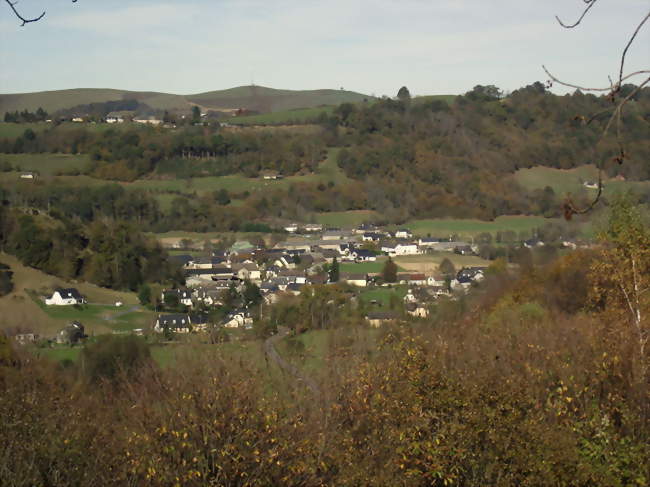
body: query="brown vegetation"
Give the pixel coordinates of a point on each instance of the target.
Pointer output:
(519, 384)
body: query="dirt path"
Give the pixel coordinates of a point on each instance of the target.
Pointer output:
(272, 353)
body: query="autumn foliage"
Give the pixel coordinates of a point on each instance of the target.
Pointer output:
(533, 379)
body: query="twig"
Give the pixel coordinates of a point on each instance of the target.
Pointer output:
(583, 88)
(569, 207)
(590, 3)
(25, 20)
(620, 77)
(12, 5)
(616, 112)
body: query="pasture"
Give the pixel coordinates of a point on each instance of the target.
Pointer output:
(383, 295)
(46, 165)
(468, 228)
(291, 117)
(565, 181)
(13, 130)
(364, 267)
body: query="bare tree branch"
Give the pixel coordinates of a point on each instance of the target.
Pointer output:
(590, 3)
(615, 112)
(25, 20)
(12, 5)
(620, 77)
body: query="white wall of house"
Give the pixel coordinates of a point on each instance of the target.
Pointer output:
(58, 300)
(357, 282)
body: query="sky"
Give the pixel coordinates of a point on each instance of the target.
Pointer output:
(369, 46)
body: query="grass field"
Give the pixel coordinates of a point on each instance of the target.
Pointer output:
(564, 181)
(382, 295)
(46, 165)
(297, 116)
(12, 130)
(428, 263)
(366, 267)
(469, 228)
(59, 353)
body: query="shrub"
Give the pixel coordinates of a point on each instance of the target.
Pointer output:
(113, 356)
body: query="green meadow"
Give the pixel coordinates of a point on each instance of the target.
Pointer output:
(565, 181)
(468, 228)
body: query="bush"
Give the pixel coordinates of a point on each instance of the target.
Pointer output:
(113, 356)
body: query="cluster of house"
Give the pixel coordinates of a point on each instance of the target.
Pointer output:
(299, 261)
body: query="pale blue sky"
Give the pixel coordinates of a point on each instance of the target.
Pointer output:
(374, 47)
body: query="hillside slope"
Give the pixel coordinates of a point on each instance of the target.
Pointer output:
(268, 100)
(258, 98)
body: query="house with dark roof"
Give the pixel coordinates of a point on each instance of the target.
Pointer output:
(363, 255)
(178, 323)
(354, 279)
(183, 296)
(182, 260)
(378, 318)
(73, 333)
(372, 236)
(65, 297)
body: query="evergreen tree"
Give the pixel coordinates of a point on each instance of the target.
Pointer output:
(403, 94)
(144, 294)
(389, 273)
(447, 268)
(334, 272)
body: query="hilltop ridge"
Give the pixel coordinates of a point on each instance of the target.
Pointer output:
(254, 98)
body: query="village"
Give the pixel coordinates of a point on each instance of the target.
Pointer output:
(309, 256)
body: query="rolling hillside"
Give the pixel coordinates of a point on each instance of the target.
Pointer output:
(258, 98)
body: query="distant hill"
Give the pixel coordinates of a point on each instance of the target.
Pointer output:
(256, 98)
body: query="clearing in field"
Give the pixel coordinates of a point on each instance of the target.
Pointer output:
(382, 296)
(428, 263)
(297, 116)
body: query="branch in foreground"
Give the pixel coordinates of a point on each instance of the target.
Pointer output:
(25, 20)
(590, 3)
(613, 91)
(12, 5)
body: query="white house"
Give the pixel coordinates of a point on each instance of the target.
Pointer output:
(401, 249)
(291, 228)
(65, 297)
(28, 175)
(363, 255)
(148, 120)
(114, 117)
(403, 233)
(417, 309)
(236, 320)
(313, 227)
(427, 242)
(410, 297)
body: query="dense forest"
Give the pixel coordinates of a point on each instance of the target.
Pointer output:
(405, 158)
